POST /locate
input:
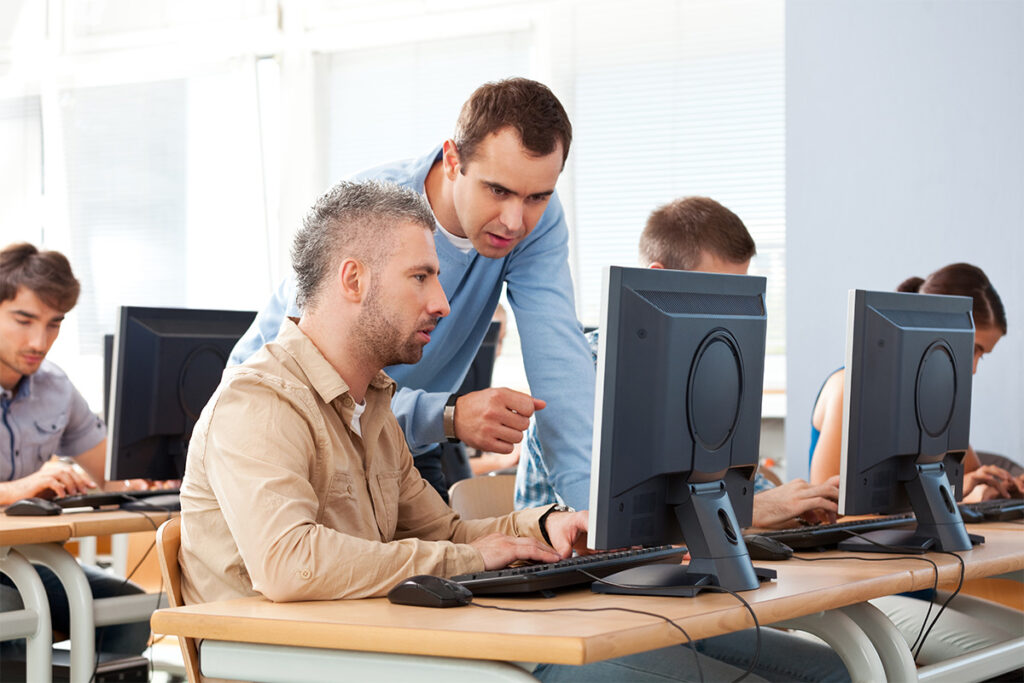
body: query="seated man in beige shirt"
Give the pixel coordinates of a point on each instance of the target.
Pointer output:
(299, 484)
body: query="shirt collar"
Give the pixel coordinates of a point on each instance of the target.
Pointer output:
(322, 376)
(23, 389)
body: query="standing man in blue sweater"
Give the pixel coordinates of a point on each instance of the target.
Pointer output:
(491, 188)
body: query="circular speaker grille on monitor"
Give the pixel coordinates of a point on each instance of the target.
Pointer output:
(200, 375)
(936, 389)
(715, 389)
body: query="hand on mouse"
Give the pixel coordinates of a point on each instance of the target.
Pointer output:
(499, 550)
(780, 507)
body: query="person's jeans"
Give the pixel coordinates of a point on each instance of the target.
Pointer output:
(431, 468)
(122, 639)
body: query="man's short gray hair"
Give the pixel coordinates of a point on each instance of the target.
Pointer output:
(351, 220)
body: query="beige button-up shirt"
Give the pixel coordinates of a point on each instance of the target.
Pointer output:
(282, 498)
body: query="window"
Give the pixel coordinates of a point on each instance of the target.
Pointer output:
(21, 170)
(684, 99)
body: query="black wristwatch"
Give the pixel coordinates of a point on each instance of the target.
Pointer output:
(449, 419)
(544, 518)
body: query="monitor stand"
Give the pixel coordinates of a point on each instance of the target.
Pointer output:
(939, 524)
(717, 550)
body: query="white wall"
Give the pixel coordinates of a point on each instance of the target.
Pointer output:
(904, 152)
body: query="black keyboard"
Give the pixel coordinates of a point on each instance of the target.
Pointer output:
(543, 577)
(137, 500)
(997, 510)
(829, 535)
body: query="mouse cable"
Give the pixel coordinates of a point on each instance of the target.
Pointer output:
(935, 568)
(918, 644)
(959, 586)
(99, 640)
(671, 623)
(712, 587)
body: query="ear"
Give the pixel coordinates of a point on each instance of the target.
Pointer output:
(353, 280)
(656, 264)
(450, 159)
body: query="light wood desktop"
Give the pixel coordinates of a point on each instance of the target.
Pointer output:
(375, 625)
(39, 540)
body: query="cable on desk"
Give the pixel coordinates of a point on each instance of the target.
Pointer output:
(959, 585)
(155, 508)
(689, 641)
(99, 640)
(926, 628)
(757, 624)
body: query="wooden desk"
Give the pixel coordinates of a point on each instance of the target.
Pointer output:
(802, 590)
(39, 540)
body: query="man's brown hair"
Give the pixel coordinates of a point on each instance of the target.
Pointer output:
(46, 273)
(528, 107)
(677, 233)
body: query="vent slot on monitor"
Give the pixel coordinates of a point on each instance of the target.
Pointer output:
(691, 303)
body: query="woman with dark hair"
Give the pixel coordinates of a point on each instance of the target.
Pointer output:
(959, 279)
(966, 624)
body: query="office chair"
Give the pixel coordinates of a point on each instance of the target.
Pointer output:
(168, 540)
(486, 496)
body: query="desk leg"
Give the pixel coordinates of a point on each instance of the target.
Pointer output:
(83, 630)
(39, 635)
(847, 639)
(888, 641)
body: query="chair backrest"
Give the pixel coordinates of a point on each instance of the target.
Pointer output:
(168, 541)
(485, 496)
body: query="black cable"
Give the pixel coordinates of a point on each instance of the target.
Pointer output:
(959, 585)
(127, 579)
(922, 634)
(753, 615)
(689, 641)
(757, 628)
(155, 508)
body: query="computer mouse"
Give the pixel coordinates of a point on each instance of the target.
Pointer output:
(33, 507)
(970, 515)
(430, 591)
(766, 548)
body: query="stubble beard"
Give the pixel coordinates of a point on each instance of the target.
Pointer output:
(380, 338)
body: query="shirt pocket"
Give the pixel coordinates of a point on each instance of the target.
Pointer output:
(340, 508)
(384, 490)
(49, 431)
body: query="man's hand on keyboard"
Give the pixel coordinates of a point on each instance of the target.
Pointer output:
(499, 550)
(989, 482)
(56, 477)
(783, 506)
(568, 532)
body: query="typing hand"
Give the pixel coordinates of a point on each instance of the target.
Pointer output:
(783, 506)
(58, 478)
(568, 532)
(493, 420)
(988, 482)
(499, 550)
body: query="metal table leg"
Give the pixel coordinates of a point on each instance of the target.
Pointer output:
(83, 630)
(32, 622)
(888, 641)
(847, 639)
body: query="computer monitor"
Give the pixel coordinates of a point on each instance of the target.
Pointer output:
(677, 422)
(167, 363)
(906, 416)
